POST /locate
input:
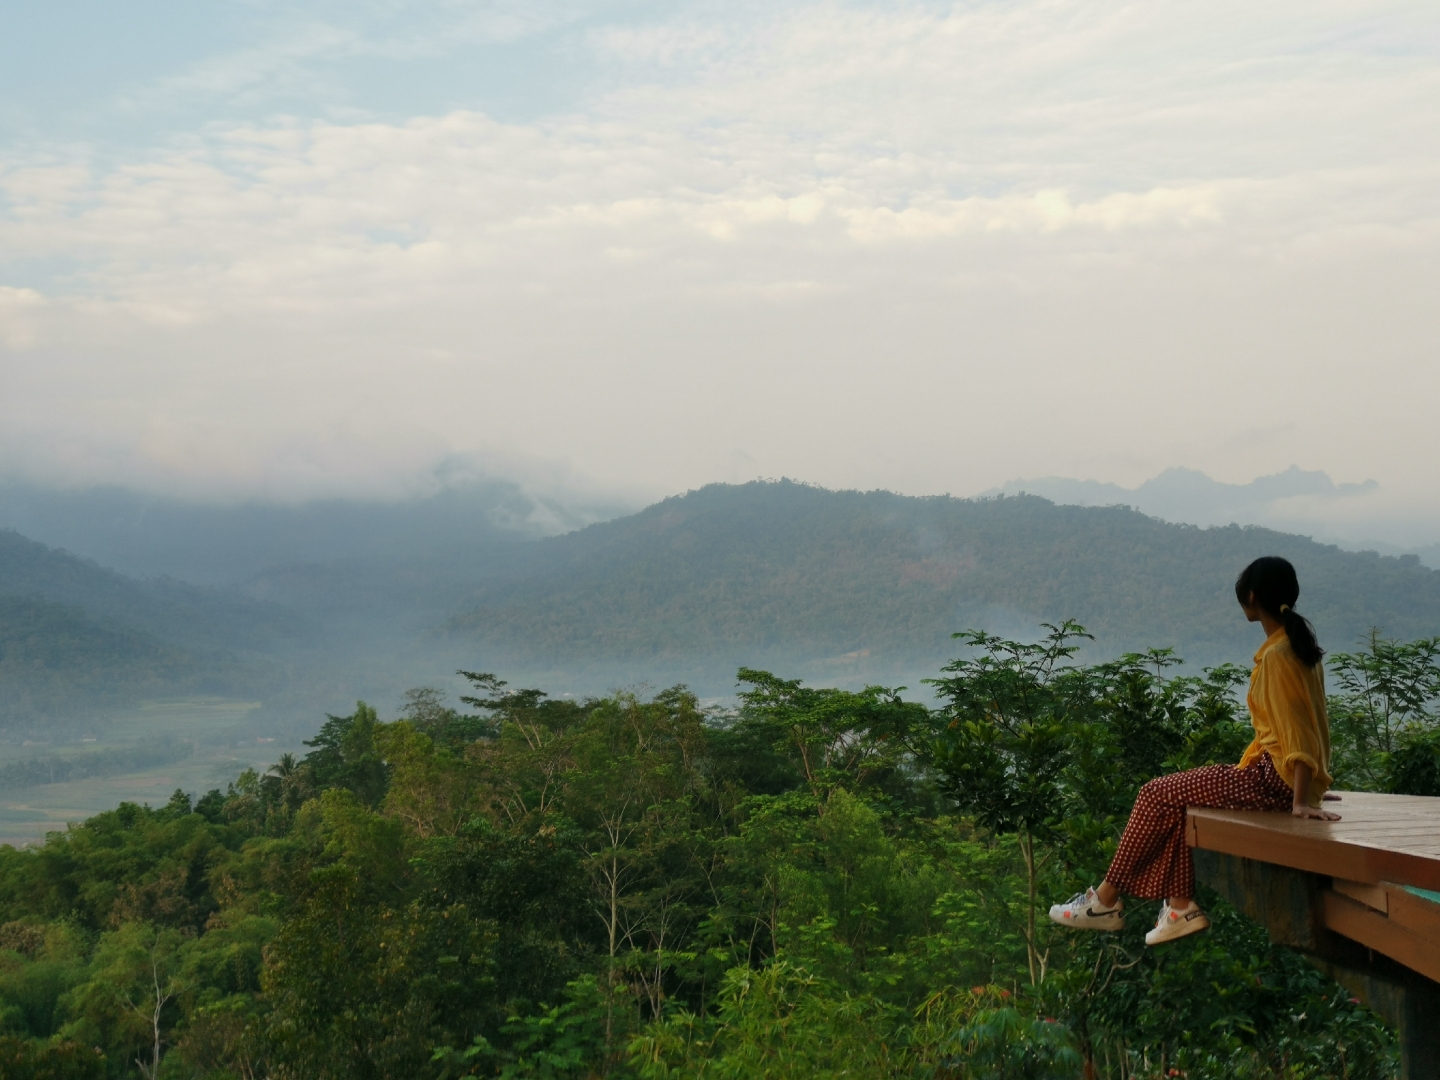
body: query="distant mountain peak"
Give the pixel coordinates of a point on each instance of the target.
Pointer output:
(1192, 497)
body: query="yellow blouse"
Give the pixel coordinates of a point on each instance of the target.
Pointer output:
(1287, 709)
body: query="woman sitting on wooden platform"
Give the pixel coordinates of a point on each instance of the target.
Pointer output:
(1286, 767)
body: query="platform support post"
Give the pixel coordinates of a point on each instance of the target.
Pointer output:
(1420, 1034)
(1288, 904)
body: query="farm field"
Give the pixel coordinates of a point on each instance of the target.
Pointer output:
(207, 742)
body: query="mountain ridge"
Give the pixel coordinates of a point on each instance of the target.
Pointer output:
(174, 612)
(796, 574)
(1307, 502)
(842, 587)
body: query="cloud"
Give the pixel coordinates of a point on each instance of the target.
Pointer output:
(920, 246)
(20, 310)
(292, 51)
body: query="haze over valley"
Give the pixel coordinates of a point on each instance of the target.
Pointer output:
(228, 634)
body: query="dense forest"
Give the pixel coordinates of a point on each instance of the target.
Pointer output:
(817, 883)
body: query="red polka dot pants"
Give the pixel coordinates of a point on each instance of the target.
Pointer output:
(1153, 860)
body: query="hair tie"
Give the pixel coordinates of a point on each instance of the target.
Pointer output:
(1284, 608)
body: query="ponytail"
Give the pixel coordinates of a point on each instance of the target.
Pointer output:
(1272, 581)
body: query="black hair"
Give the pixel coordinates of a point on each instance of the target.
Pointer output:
(1273, 582)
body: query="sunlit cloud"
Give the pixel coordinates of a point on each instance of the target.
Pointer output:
(921, 246)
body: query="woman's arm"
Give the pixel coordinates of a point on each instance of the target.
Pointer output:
(1301, 807)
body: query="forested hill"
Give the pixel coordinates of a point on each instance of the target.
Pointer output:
(832, 587)
(168, 610)
(58, 665)
(77, 639)
(841, 581)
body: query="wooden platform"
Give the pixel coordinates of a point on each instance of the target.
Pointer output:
(1379, 838)
(1382, 859)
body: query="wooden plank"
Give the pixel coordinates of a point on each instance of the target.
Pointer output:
(1314, 846)
(1413, 912)
(1418, 825)
(1369, 806)
(1401, 841)
(1420, 833)
(1378, 799)
(1393, 824)
(1358, 923)
(1372, 896)
(1208, 829)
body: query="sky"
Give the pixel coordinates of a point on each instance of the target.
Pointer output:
(253, 250)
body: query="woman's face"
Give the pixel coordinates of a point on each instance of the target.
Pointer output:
(1251, 610)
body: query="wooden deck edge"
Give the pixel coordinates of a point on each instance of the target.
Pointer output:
(1372, 896)
(1357, 922)
(1413, 912)
(1317, 854)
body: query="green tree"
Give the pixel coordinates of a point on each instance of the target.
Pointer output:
(780, 1021)
(573, 1039)
(779, 890)
(430, 789)
(632, 792)
(1010, 716)
(526, 763)
(837, 737)
(62, 1060)
(425, 708)
(1386, 698)
(368, 974)
(346, 756)
(986, 1032)
(130, 1000)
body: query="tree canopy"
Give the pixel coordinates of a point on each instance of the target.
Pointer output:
(818, 882)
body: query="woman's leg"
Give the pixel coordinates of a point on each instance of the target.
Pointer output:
(1153, 861)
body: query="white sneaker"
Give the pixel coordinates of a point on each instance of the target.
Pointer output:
(1174, 924)
(1083, 911)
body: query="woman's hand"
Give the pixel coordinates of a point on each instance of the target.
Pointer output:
(1301, 807)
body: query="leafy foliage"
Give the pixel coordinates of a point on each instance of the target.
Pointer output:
(818, 883)
(1385, 715)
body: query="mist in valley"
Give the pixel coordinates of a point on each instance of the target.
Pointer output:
(182, 643)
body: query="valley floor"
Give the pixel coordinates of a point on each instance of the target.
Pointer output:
(209, 742)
